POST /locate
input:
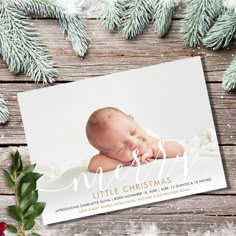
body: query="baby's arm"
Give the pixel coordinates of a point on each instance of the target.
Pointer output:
(103, 161)
(172, 149)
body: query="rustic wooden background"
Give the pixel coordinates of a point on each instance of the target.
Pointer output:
(109, 53)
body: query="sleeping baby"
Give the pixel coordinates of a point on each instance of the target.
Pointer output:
(116, 135)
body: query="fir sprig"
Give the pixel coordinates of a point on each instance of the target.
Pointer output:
(229, 82)
(23, 181)
(71, 23)
(20, 45)
(200, 16)
(136, 17)
(4, 113)
(163, 12)
(111, 13)
(222, 32)
(21, 49)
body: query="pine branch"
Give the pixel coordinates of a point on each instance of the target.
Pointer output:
(136, 17)
(71, 23)
(21, 49)
(200, 16)
(222, 32)
(229, 82)
(111, 12)
(163, 12)
(4, 113)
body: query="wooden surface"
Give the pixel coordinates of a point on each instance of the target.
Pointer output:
(109, 53)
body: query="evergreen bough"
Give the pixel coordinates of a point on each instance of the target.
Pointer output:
(199, 17)
(20, 45)
(136, 16)
(21, 48)
(163, 13)
(111, 13)
(71, 23)
(4, 113)
(229, 82)
(222, 32)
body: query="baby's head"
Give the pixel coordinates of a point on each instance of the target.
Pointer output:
(115, 134)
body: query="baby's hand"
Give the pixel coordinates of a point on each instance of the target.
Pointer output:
(145, 158)
(132, 163)
(142, 161)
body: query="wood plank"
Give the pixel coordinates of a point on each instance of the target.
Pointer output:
(109, 52)
(208, 205)
(195, 212)
(223, 105)
(228, 157)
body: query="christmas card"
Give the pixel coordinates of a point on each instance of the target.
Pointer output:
(122, 140)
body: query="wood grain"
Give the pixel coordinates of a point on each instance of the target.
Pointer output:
(109, 53)
(177, 216)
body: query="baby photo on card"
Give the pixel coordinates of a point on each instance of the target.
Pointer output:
(122, 140)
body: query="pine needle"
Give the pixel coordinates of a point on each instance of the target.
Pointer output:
(229, 82)
(71, 23)
(4, 113)
(163, 12)
(136, 17)
(200, 16)
(21, 49)
(111, 13)
(222, 32)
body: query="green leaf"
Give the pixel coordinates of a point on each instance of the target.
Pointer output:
(34, 211)
(8, 178)
(25, 188)
(29, 177)
(29, 168)
(16, 162)
(12, 228)
(34, 234)
(29, 225)
(27, 200)
(15, 213)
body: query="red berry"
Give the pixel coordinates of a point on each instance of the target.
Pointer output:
(2, 234)
(3, 227)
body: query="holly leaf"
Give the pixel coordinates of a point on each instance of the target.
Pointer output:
(12, 228)
(16, 163)
(9, 180)
(28, 169)
(29, 225)
(15, 212)
(27, 200)
(34, 211)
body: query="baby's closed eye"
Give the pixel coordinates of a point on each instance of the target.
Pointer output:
(121, 149)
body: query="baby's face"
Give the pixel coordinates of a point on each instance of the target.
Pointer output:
(122, 136)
